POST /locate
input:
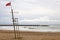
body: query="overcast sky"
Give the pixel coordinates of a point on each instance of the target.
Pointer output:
(31, 11)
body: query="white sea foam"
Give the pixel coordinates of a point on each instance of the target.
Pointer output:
(32, 28)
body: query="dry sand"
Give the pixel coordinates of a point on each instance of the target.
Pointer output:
(25, 35)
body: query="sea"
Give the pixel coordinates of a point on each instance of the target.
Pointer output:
(50, 28)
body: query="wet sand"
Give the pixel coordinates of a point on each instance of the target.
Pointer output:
(26, 35)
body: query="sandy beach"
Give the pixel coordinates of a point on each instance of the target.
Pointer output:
(26, 35)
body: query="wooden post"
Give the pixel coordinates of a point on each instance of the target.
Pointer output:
(13, 22)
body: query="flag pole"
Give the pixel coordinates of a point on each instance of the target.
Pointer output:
(13, 21)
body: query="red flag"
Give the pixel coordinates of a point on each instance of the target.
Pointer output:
(8, 4)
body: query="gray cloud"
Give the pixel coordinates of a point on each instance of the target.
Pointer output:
(32, 9)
